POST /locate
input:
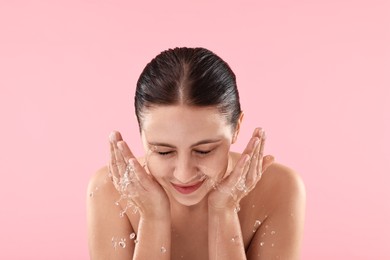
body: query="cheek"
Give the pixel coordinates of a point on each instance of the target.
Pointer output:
(159, 167)
(214, 166)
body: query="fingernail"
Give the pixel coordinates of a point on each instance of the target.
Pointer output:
(256, 142)
(112, 137)
(261, 131)
(120, 145)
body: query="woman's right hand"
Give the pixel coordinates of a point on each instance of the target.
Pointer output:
(140, 189)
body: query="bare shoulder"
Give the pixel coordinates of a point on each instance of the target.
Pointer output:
(281, 184)
(101, 188)
(101, 192)
(105, 226)
(283, 177)
(282, 193)
(98, 179)
(277, 176)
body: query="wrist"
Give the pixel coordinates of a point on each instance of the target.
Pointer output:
(228, 206)
(157, 216)
(226, 210)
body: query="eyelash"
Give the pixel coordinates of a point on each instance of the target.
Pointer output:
(167, 153)
(164, 153)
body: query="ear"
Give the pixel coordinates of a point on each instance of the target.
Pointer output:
(237, 131)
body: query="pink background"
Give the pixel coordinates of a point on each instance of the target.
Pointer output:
(314, 74)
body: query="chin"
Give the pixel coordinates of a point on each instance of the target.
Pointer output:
(188, 201)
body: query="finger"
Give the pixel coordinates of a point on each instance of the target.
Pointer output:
(256, 132)
(259, 169)
(120, 162)
(134, 187)
(250, 150)
(238, 171)
(144, 179)
(115, 136)
(251, 146)
(238, 174)
(268, 161)
(251, 177)
(125, 150)
(113, 165)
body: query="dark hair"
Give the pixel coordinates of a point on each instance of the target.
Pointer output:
(190, 76)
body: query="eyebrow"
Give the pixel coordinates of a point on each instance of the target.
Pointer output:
(207, 141)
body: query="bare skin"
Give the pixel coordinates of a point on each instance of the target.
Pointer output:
(269, 224)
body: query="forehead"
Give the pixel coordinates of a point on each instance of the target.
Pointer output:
(170, 123)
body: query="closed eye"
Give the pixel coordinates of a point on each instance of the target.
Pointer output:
(203, 152)
(164, 153)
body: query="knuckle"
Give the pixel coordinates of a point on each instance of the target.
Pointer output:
(114, 164)
(250, 181)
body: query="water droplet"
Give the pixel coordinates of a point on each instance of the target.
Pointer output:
(241, 184)
(134, 209)
(122, 214)
(273, 232)
(256, 225)
(261, 243)
(136, 241)
(91, 194)
(163, 250)
(132, 235)
(266, 226)
(253, 205)
(96, 188)
(272, 244)
(122, 243)
(114, 243)
(182, 256)
(235, 238)
(237, 209)
(263, 234)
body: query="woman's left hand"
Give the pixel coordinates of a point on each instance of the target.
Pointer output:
(244, 177)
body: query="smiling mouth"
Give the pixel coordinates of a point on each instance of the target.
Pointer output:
(187, 189)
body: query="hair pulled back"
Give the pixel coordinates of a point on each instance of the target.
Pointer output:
(188, 76)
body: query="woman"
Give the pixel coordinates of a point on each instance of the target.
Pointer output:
(190, 197)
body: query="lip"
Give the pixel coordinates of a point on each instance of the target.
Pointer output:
(187, 189)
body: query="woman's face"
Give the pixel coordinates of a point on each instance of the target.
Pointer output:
(187, 149)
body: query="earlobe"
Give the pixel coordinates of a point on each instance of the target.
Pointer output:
(234, 139)
(235, 135)
(237, 131)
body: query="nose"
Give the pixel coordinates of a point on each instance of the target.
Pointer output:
(185, 172)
